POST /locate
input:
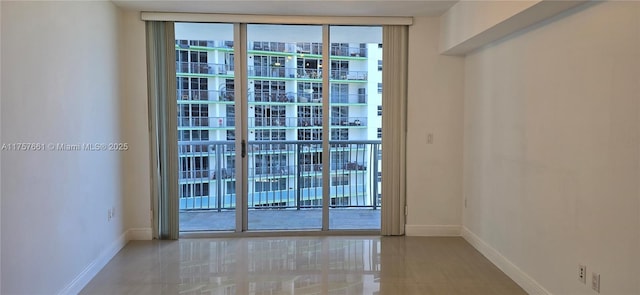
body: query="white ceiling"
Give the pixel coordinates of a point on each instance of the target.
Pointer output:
(297, 7)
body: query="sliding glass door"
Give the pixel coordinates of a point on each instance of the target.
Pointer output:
(205, 82)
(355, 81)
(285, 127)
(298, 146)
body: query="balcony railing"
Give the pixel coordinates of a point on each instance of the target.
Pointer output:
(273, 71)
(204, 95)
(338, 50)
(281, 175)
(349, 121)
(201, 121)
(184, 96)
(300, 48)
(203, 68)
(303, 97)
(273, 122)
(266, 122)
(349, 75)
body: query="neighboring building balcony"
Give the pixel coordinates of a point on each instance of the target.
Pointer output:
(286, 175)
(188, 96)
(300, 48)
(228, 96)
(274, 72)
(336, 50)
(194, 122)
(203, 68)
(277, 122)
(348, 75)
(340, 50)
(343, 98)
(349, 121)
(304, 74)
(200, 122)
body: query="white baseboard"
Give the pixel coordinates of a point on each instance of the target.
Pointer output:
(83, 278)
(432, 230)
(139, 234)
(511, 270)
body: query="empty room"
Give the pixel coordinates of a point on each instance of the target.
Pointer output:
(320, 147)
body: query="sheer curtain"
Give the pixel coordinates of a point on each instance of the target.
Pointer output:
(394, 127)
(161, 77)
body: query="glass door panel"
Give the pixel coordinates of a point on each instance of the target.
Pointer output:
(356, 127)
(206, 126)
(284, 128)
(284, 68)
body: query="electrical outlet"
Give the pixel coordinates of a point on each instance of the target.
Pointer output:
(582, 273)
(595, 282)
(429, 138)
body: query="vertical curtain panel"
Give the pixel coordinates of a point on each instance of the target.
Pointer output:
(394, 126)
(161, 77)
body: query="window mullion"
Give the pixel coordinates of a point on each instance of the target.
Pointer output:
(326, 129)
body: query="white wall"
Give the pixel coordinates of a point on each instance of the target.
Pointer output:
(468, 19)
(551, 151)
(60, 77)
(469, 25)
(134, 114)
(434, 171)
(435, 98)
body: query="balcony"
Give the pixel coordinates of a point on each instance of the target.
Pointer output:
(308, 48)
(344, 74)
(305, 97)
(341, 50)
(188, 122)
(203, 68)
(283, 175)
(277, 122)
(200, 122)
(272, 71)
(193, 96)
(349, 121)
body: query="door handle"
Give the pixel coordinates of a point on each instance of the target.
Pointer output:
(244, 148)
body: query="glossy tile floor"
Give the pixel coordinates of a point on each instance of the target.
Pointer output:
(302, 265)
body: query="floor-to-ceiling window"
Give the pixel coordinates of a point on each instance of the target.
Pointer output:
(206, 125)
(285, 116)
(263, 121)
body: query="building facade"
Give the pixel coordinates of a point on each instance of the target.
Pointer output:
(285, 117)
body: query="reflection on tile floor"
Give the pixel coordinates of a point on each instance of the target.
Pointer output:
(301, 265)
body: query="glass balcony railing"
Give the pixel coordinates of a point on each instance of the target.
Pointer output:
(281, 174)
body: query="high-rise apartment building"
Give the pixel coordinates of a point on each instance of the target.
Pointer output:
(284, 120)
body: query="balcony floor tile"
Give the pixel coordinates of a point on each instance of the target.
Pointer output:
(283, 219)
